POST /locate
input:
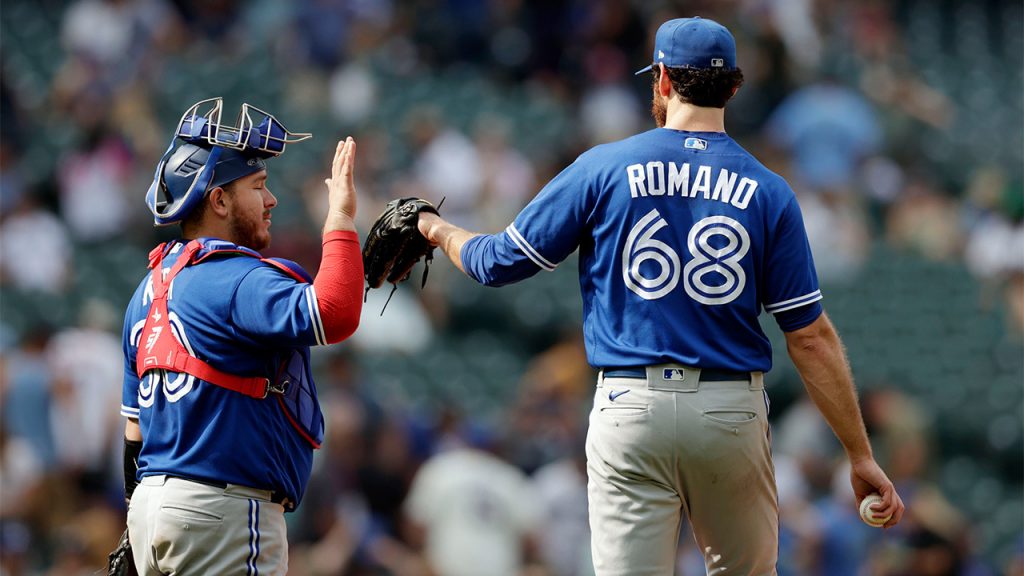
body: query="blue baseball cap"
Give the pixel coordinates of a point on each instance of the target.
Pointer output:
(693, 43)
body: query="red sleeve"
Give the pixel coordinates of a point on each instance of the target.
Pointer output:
(339, 285)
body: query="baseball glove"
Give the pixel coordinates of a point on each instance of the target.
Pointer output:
(121, 562)
(394, 244)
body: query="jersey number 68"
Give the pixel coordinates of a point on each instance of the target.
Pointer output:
(705, 259)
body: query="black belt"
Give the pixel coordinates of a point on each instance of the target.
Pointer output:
(275, 496)
(706, 374)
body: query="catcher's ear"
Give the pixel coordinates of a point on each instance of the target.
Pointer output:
(218, 200)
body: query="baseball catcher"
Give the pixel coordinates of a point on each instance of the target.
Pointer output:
(222, 413)
(394, 245)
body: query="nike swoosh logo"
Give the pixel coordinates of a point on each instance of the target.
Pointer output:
(612, 395)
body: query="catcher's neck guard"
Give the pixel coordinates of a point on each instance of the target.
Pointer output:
(205, 153)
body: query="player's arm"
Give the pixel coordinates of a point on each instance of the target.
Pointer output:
(132, 449)
(543, 234)
(446, 236)
(270, 306)
(339, 281)
(819, 356)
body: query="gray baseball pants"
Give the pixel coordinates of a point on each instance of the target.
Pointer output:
(669, 445)
(178, 526)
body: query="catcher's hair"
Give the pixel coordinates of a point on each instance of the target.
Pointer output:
(708, 88)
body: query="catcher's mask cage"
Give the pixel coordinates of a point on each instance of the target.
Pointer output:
(204, 153)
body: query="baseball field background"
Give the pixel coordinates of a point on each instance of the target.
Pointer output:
(900, 124)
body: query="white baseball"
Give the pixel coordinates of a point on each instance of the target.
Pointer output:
(869, 516)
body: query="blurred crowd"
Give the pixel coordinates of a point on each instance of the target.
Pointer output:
(898, 124)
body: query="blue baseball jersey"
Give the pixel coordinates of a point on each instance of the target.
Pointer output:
(244, 317)
(683, 238)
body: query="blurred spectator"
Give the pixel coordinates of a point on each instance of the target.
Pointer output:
(87, 364)
(11, 181)
(476, 513)
(447, 165)
(801, 434)
(405, 328)
(330, 525)
(609, 109)
(829, 130)
(925, 221)
(933, 542)
(21, 472)
(103, 31)
(800, 526)
(796, 25)
(1015, 301)
(12, 184)
(35, 252)
(901, 434)
(27, 395)
(995, 244)
(353, 94)
(509, 180)
(85, 539)
(838, 234)
(554, 393)
(563, 532)
(109, 43)
(215, 21)
(845, 540)
(1015, 564)
(887, 75)
(995, 240)
(96, 186)
(324, 29)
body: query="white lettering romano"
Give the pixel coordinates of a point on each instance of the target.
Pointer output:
(656, 179)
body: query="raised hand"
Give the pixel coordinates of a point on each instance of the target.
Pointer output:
(341, 187)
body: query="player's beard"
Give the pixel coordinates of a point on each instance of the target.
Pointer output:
(249, 233)
(659, 110)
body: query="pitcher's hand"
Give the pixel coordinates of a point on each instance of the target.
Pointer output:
(867, 477)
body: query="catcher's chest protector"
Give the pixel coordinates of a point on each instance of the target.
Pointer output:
(159, 348)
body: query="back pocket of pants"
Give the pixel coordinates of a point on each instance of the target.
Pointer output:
(730, 416)
(625, 410)
(190, 513)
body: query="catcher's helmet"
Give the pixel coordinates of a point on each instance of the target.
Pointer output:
(204, 154)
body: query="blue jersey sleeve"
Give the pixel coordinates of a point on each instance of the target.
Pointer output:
(272, 307)
(129, 345)
(791, 290)
(544, 234)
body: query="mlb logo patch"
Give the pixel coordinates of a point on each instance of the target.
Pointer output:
(695, 144)
(673, 374)
(717, 63)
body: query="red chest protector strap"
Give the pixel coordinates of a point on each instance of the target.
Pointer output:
(159, 349)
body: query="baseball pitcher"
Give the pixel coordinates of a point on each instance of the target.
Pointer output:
(683, 239)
